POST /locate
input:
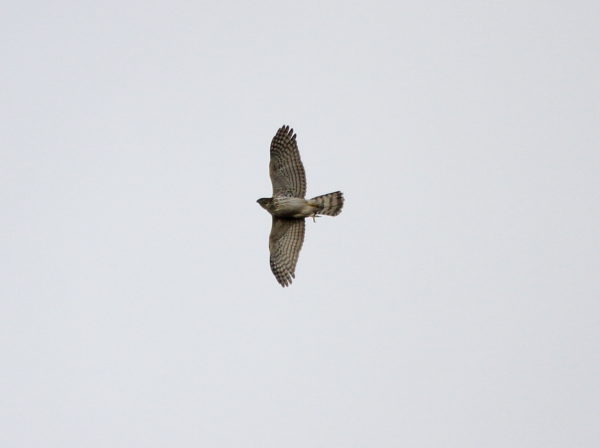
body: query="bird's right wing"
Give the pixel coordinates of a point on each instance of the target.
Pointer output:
(285, 242)
(285, 168)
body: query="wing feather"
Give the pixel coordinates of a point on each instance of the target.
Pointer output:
(285, 242)
(286, 169)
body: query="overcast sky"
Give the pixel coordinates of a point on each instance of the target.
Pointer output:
(453, 303)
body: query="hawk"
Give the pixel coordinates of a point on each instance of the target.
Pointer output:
(288, 206)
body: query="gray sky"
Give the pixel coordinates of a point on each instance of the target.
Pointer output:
(454, 302)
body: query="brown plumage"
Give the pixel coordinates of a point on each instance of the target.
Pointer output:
(329, 204)
(288, 206)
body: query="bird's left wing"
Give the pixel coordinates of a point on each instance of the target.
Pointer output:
(285, 168)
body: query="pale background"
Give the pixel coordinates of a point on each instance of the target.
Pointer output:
(454, 302)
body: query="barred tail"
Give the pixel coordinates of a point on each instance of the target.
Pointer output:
(329, 204)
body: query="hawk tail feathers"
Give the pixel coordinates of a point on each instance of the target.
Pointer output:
(329, 204)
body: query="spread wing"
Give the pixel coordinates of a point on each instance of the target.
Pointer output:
(285, 242)
(286, 169)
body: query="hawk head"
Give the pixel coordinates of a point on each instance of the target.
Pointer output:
(265, 202)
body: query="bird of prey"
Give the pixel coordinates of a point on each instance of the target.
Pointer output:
(288, 206)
